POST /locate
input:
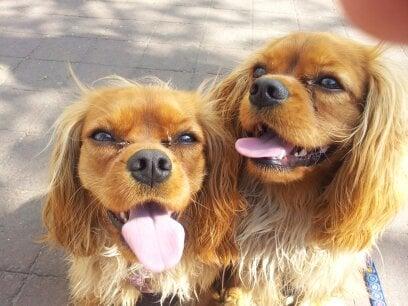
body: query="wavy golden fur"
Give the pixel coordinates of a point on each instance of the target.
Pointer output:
(309, 228)
(88, 179)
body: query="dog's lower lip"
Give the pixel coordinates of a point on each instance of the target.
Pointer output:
(270, 163)
(290, 162)
(116, 221)
(119, 219)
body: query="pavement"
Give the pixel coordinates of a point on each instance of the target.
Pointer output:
(185, 41)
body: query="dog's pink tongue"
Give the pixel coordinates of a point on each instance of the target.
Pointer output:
(265, 146)
(156, 239)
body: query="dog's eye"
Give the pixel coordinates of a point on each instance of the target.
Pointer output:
(102, 136)
(329, 83)
(259, 71)
(186, 138)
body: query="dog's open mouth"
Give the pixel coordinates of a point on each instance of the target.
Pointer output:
(152, 234)
(267, 149)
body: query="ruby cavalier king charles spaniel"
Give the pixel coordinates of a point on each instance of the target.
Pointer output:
(139, 196)
(321, 124)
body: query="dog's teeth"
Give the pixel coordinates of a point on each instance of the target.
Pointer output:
(303, 152)
(282, 155)
(296, 154)
(123, 216)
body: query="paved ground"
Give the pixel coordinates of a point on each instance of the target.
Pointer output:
(186, 41)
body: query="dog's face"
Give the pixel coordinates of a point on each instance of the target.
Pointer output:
(326, 116)
(129, 164)
(142, 158)
(142, 145)
(306, 93)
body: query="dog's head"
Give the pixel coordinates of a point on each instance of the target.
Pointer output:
(133, 160)
(322, 110)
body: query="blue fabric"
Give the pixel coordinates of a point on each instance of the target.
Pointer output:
(372, 281)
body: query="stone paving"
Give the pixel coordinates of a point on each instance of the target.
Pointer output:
(185, 41)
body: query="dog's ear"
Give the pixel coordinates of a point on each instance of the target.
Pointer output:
(218, 202)
(68, 215)
(368, 188)
(229, 93)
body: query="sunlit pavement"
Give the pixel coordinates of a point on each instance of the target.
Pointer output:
(185, 41)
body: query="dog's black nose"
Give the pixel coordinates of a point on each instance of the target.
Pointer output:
(267, 92)
(149, 166)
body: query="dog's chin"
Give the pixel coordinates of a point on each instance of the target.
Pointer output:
(274, 159)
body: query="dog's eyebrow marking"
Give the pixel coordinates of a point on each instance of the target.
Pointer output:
(294, 60)
(180, 121)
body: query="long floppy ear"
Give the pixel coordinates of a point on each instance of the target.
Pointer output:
(368, 189)
(218, 203)
(67, 214)
(228, 95)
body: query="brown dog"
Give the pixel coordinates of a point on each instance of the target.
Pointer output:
(321, 124)
(133, 169)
